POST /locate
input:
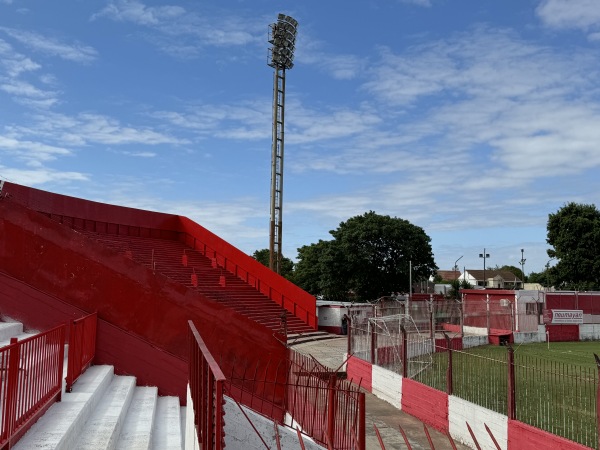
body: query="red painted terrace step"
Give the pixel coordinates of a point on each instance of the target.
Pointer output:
(165, 257)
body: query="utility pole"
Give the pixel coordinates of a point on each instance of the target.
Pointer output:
(484, 255)
(522, 262)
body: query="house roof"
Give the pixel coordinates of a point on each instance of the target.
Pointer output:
(449, 274)
(504, 274)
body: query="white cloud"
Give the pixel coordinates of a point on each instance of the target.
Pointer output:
(569, 14)
(13, 66)
(594, 37)
(183, 33)
(490, 88)
(24, 89)
(426, 3)
(245, 120)
(88, 129)
(307, 125)
(32, 153)
(51, 46)
(141, 154)
(40, 176)
(138, 13)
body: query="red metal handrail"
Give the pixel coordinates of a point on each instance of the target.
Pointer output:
(31, 382)
(206, 382)
(326, 408)
(82, 347)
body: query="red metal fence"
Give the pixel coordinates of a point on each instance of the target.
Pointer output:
(32, 371)
(206, 385)
(329, 410)
(82, 347)
(562, 399)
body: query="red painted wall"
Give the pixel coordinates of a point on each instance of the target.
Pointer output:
(455, 344)
(563, 333)
(94, 216)
(474, 301)
(526, 437)
(588, 302)
(360, 372)
(129, 354)
(18, 299)
(425, 403)
(65, 264)
(86, 212)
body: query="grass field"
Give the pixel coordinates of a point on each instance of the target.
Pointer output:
(578, 353)
(555, 386)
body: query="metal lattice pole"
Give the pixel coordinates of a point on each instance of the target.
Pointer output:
(281, 57)
(277, 170)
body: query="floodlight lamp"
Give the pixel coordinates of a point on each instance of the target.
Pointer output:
(283, 38)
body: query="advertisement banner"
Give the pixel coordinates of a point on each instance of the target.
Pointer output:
(566, 316)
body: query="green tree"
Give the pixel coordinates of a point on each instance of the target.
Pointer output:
(287, 265)
(369, 257)
(512, 269)
(574, 234)
(456, 286)
(308, 271)
(538, 277)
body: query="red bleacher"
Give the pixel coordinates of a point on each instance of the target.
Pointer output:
(167, 257)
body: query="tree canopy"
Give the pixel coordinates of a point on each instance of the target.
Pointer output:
(512, 269)
(574, 234)
(368, 256)
(287, 265)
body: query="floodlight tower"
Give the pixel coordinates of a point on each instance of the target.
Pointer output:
(282, 37)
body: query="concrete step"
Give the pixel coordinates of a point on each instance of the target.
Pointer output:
(137, 429)
(19, 336)
(103, 428)
(167, 430)
(8, 330)
(59, 427)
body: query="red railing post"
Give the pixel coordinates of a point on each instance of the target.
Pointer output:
(33, 381)
(206, 382)
(511, 413)
(10, 400)
(331, 408)
(82, 347)
(598, 399)
(361, 422)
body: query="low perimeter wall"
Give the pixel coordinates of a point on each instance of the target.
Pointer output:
(450, 413)
(589, 332)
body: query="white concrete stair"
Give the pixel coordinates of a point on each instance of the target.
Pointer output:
(59, 428)
(104, 411)
(137, 429)
(167, 435)
(103, 428)
(10, 330)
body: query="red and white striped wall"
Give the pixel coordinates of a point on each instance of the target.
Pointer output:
(450, 414)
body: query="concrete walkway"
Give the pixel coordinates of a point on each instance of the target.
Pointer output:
(386, 417)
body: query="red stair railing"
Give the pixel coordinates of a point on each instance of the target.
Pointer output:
(82, 347)
(32, 371)
(206, 382)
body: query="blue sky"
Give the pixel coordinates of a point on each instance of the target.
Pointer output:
(473, 119)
